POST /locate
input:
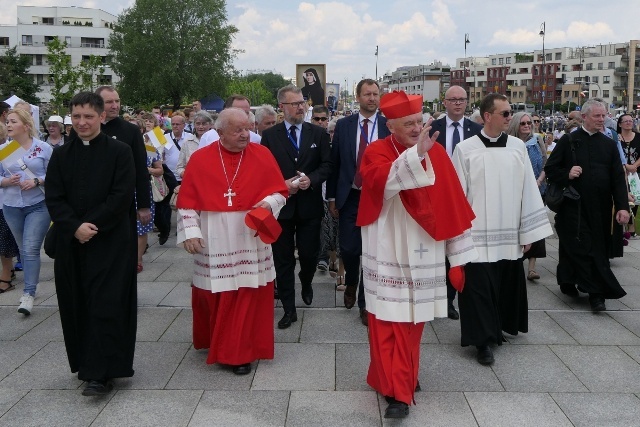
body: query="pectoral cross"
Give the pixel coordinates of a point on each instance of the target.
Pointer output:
(229, 194)
(421, 250)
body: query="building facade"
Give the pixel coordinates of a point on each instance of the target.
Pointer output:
(85, 30)
(430, 81)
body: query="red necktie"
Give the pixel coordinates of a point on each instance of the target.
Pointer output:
(364, 133)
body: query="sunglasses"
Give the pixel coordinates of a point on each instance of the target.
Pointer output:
(525, 123)
(536, 121)
(319, 119)
(504, 114)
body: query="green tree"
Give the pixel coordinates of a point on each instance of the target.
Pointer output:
(273, 82)
(178, 51)
(15, 78)
(255, 90)
(64, 76)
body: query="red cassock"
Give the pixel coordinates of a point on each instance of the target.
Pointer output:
(443, 212)
(236, 326)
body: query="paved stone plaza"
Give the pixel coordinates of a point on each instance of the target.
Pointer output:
(572, 368)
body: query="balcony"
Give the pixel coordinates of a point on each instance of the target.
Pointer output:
(619, 86)
(621, 71)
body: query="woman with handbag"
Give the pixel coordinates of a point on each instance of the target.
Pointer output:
(24, 206)
(154, 166)
(630, 142)
(521, 126)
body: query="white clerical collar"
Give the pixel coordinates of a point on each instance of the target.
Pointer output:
(85, 142)
(590, 133)
(489, 137)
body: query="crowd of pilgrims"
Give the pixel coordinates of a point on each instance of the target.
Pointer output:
(25, 220)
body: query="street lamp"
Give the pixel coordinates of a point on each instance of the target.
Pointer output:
(464, 64)
(544, 79)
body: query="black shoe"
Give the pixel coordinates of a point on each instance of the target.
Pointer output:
(597, 303)
(364, 317)
(396, 409)
(569, 289)
(485, 355)
(307, 294)
(97, 388)
(452, 312)
(163, 239)
(418, 388)
(287, 320)
(242, 369)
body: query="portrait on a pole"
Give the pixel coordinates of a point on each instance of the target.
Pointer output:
(311, 79)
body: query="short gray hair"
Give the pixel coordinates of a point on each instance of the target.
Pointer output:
(264, 111)
(203, 116)
(225, 116)
(282, 92)
(589, 105)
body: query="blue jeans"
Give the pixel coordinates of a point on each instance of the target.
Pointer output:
(29, 225)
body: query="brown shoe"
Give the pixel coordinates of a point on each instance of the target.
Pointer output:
(350, 296)
(364, 317)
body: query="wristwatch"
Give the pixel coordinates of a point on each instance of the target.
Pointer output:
(36, 181)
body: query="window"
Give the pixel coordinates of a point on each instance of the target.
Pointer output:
(605, 79)
(37, 60)
(104, 79)
(4, 41)
(586, 79)
(594, 93)
(600, 65)
(595, 79)
(27, 40)
(508, 60)
(589, 66)
(564, 68)
(536, 71)
(605, 93)
(493, 61)
(548, 57)
(612, 65)
(67, 40)
(566, 93)
(501, 61)
(47, 21)
(558, 56)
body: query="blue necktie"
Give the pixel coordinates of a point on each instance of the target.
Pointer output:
(456, 136)
(292, 129)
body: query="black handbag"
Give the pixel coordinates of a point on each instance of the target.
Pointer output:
(556, 194)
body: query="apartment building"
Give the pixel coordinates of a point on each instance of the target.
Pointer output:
(85, 30)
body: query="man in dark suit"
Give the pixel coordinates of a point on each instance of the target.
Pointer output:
(353, 134)
(303, 153)
(453, 128)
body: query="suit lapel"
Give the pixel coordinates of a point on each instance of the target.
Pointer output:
(306, 139)
(352, 133)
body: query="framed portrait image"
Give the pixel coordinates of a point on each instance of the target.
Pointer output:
(333, 96)
(311, 79)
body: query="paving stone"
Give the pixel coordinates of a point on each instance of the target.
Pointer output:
(632, 299)
(333, 326)
(292, 333)
(628, 319)
(193, 373)
(181, 330)
(153, 408)
(154, 364)
(594, 329)
(352, 366)
(445, 330)
(435, 409)
(542, 330)
(297, 366)
(8, 398)
(534, 368)
(151, 293)
(46, 289)
(62, 408)
(541, 298)
(52, 301)
(633, 351)
(48, 369)
(48, 330)
(172, 254)
(333, 408)
(177, 272)
(582, 302)
(599, 409)
(13, 354)
(447, 367)
(180, 296)
(152, 271)
(628, 276)
(601, 368)
(515, 409)
(153, 322)
(244, 408)
(14, 324)
(323, 295)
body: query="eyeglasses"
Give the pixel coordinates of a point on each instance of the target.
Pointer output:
(536, 121)
(504, 114)
(525, 123)
(294, 104)
(626, 122)
(319, 119)
(456, 101)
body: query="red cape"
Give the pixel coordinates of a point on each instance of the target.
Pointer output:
(204, 183)
(441, 209)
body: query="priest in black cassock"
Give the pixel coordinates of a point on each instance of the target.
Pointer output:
(90, 186)
(584, 226)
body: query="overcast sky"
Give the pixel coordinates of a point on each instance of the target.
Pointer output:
(276, 35)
